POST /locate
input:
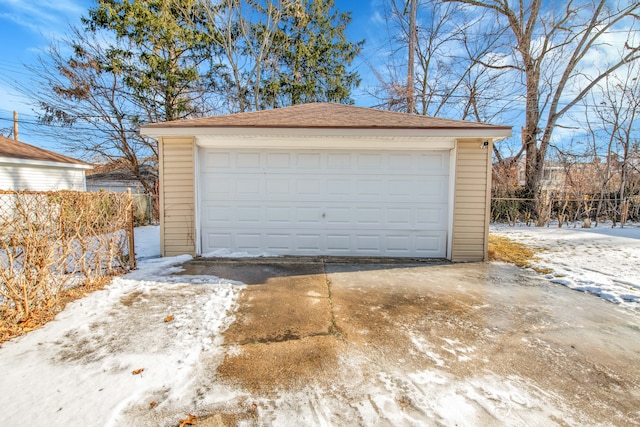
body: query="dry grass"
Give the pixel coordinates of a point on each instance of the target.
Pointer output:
(506, 250)
(41, 316)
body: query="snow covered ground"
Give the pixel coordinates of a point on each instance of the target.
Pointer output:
(80, 370)
(603, 261)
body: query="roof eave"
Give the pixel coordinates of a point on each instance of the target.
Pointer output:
(490, 131)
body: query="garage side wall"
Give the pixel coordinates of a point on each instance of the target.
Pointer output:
(177, 196)
(471, 201)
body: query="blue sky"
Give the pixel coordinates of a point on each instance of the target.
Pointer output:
(27, 27)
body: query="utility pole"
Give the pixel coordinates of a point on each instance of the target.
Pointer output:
(413, 10)
(15, 125)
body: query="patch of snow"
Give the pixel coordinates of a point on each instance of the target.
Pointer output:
(479, 400)
(146, 348)
(603, 261)
(81, 370)
(226, 253)
(425, 348)
(147, 241)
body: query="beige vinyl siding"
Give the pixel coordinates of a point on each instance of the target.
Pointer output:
(177, 196)
(471, 201)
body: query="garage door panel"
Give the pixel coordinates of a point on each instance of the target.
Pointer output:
(338, 187)
(278, 241)
(399, 243)
(368, 216)
(217, 160)
(370, 162)
(338, 215)
(308, 242)
(433, 163)
(248, 215)
(308, 161)
(278, 215)
(328, 217)
(339, 244)
(400, 188)
(213, 241)
(302, 242)
(430, 246)
(309, 187)
(434, 217)
(248, 241)
(368, 243)
(274, 188)
(278, 160)
(310, 215)
(248, 186)
(399, 216)
(369, 187)
(216, 215)
(339, 161)
(427, 163)
(218, 186)
(324, 202)
(280, 186)
(436, 188)
(248, 160)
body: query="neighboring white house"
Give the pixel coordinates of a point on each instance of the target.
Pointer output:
(25, 167)
(120, 180)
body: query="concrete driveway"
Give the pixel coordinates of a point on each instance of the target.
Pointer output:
(384, 342)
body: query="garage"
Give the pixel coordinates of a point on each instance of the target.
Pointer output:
(325, 179)
(310, 202)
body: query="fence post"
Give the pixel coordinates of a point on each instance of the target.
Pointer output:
(623, 214)
(150, 201)
(130, 219)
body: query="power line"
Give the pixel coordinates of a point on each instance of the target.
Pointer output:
(70, 127)
(434, 95)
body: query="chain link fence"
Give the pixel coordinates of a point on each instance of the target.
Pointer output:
(53, 240)
(146, 210)
(564, 209)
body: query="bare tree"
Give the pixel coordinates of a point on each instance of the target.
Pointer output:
(549, 48)
(86, 103)
(413, 33)
(448, 79)
(128, 63)
(612, 119)
(245, 33)
(429, 85)
(275, 53)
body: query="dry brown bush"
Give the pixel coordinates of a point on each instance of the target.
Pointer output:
(53, 241)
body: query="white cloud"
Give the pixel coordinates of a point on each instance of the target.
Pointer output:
(45, 17)
(377, 17)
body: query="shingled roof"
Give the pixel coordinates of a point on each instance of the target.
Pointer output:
(324, 115)
(10, 148)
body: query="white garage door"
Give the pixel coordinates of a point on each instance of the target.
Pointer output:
(362, 203)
